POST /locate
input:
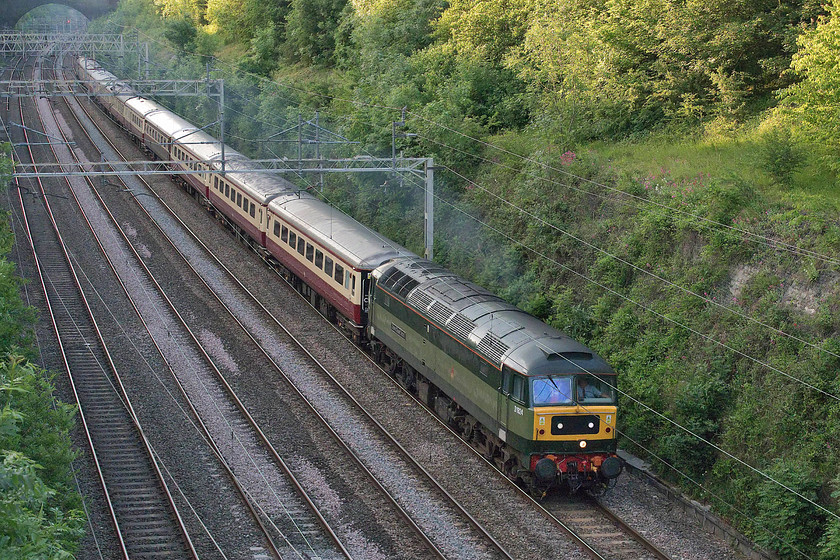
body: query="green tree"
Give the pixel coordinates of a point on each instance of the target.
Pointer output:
(814, 100)
(40, 515)
(311, 30)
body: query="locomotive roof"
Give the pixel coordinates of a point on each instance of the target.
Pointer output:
(356, 244)
(501, 332)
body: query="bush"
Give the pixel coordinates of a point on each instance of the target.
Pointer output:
(780, 156)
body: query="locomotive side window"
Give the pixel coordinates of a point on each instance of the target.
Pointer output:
(328, 266)
(284, 236)
(339, 274)
(301, 246)
(518, 392)
(292, 239)
(319, 258)
(310, 252)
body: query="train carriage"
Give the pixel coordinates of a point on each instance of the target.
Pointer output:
(110, 92)
(136, 110)
(329, 251)
(243, 196)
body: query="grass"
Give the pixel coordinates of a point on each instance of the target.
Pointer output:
(724, 155)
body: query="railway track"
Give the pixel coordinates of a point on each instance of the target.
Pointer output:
(600, 531)
(144, 516)
(450, 509)
(290, 523)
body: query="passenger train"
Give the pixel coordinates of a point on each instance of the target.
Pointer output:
(538, 404)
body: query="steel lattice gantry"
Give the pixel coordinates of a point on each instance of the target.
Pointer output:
(21, 43)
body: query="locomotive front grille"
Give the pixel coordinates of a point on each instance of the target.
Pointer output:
(575, 425)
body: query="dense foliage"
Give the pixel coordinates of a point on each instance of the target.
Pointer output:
(654, 177)
(40, 510)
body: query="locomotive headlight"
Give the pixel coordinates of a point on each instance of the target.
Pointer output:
(559, 425)
(591, 425)
(582, 444)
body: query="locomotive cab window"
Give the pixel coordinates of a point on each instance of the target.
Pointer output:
(591, 389)
(552, 390)
(517, 393)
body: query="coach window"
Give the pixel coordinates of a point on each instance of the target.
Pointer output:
(245, 204)
(253, 211)
(285, 235)
(301, 247)
(310, 252)
(216, 183)
(339, 274)
(328, 266)
(319, 258)
(292, 239)
(239, 199)
(227, 189)
(277, 230)
(347, 280)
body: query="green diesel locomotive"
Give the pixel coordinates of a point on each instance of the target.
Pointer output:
(539, 404)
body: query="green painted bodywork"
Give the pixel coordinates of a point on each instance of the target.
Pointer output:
(461, 372)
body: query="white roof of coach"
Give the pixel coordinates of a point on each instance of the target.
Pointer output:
(354, 243)
(143, 106)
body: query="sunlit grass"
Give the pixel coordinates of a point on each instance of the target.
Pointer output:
(723, 156)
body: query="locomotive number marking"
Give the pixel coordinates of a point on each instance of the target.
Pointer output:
(398, 331)
(518, 410)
